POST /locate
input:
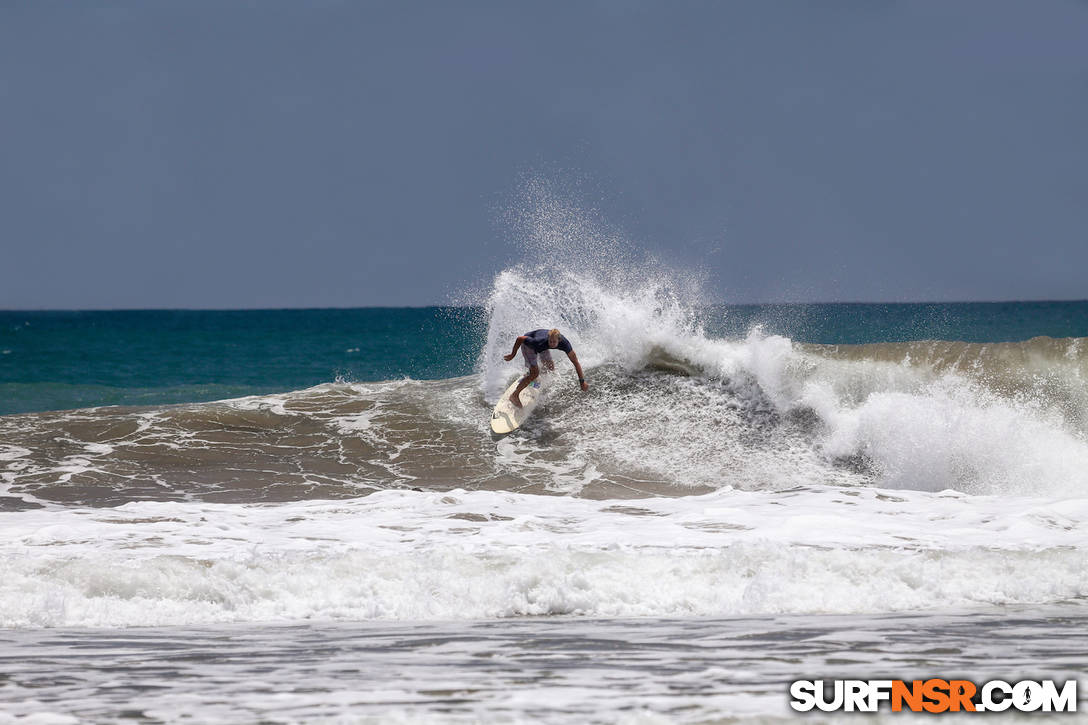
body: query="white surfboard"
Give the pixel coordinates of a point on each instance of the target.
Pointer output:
(507, 417)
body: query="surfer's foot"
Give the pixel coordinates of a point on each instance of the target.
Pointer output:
(515, 401)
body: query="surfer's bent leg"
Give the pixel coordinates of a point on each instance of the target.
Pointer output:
(546, 356)
(534, 371)
(529, 354)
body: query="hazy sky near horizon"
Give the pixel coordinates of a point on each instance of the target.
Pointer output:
(311, 154)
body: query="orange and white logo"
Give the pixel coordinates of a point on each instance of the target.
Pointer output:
(933, 695)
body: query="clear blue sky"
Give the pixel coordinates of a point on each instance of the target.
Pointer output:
(283, 154)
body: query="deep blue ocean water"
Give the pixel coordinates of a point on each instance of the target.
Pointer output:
(62, 360)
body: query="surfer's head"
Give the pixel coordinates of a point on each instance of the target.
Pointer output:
(553, 337)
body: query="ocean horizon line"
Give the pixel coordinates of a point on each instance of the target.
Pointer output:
(6, 310)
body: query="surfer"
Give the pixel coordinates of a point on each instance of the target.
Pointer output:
(540, 343)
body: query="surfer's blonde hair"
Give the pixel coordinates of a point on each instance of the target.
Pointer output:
(553, 334)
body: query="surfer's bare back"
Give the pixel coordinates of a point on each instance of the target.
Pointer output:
(540, 343)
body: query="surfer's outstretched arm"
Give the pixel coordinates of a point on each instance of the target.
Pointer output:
(578, 369)
(517, 344)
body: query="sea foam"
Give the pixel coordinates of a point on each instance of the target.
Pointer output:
(464, 555)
